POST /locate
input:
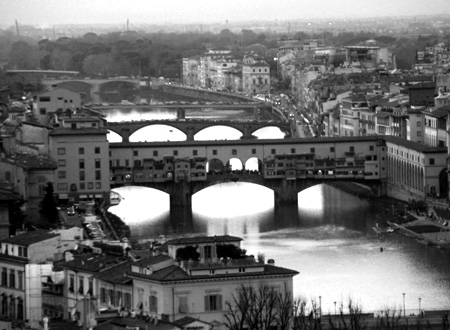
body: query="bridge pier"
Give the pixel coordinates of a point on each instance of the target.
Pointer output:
(181, 194)
(286, 192)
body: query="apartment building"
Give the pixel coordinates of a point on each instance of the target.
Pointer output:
(81, 150)
(26, 262)
(48, 102)
(256, 78)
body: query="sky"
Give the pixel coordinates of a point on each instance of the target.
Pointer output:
(50, 12)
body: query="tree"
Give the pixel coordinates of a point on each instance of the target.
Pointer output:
(188, 252)
(230, 251)
(48, 205)
(258, 308)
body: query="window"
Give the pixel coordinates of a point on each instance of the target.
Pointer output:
(127, 162)
(82, 177)
(419, 124)
(20, 280)
(175, 152)
(419, 133)
(82, 186)
(90, 287)
(61, 174)
(153, 304)
(81, 151)
(253, 151)
(155, 153)
(81, 164)
(97, 150)
(214, 152)
(98, 185)
(81, 285)
(234, 152)
(331, 149)
(127, 300)
(71, 284)
(431, 161)
(44, 99)
(313, 150)
(98, 163)
(102, 295)
(4, 276)
(42, 111)
(111, 297)
(194, 152)
(90, 185)
(61, 151)
(135, 153)
(371, 148)
(273, 151)
(213, 302)
(292, 150)
(183, 304)
(207, 251)
(98, 175)
(12, 278)
(119, 300)
(61, 162)
(352, 149)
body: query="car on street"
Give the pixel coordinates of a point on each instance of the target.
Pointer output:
(71, 210)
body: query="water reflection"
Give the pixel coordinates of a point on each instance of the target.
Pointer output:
(328, 238)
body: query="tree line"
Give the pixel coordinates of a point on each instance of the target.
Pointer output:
(160, 54)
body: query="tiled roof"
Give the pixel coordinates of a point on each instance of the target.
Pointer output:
(33, 161)
(176, 273)
(29, 238)
(202, 239)
(92, 262)
(116, 274)
(152, 260)
(414, 145)
(187, 320)
(441, 112)
(79, 131)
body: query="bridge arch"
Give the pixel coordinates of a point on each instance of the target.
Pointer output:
(157, 132)
(114, 137)
(225, 132)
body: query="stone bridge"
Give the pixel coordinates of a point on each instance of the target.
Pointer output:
(192, 127)
(285, 191)
(94, 84)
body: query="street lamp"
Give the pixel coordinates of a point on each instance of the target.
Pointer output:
(420, 309)
(334, 308)
(404, 305)
(320, 305)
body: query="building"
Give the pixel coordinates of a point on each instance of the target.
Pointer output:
(256, 78)
(26, 262)
(200, 287)
(435, 127)
(81, 150)
(50, 101)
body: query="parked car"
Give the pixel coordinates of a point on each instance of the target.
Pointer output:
(71, 210)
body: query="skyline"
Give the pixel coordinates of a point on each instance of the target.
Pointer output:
(46, 13)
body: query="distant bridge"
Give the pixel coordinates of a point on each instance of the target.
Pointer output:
(94, 84)
(192, 127)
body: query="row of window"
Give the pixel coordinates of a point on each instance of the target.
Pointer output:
(10, 281)
(48, 99)
(81, 176)
(81, 150)
(214, 152)
(81, 163)
(115, 298)
(14, 309)
(80, 289)
(64, 186)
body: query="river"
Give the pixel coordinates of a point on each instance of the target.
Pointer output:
(328, 237)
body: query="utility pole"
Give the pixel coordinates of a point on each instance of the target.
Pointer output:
(17, 29)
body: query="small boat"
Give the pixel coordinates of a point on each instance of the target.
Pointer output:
(390, 230)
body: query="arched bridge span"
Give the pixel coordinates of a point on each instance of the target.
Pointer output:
(285, 191)
(192, 127)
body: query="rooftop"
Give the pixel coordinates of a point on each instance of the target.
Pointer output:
(79, 131)
(203, 239)
(92, 262)
(29, 238)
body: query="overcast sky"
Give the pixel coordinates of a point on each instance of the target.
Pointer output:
(49, 12)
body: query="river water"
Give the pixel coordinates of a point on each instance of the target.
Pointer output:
(328, 237)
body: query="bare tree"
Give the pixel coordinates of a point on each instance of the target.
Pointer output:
(354, 320)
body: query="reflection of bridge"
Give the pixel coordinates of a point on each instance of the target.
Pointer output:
(192, 127)
(94, 84)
